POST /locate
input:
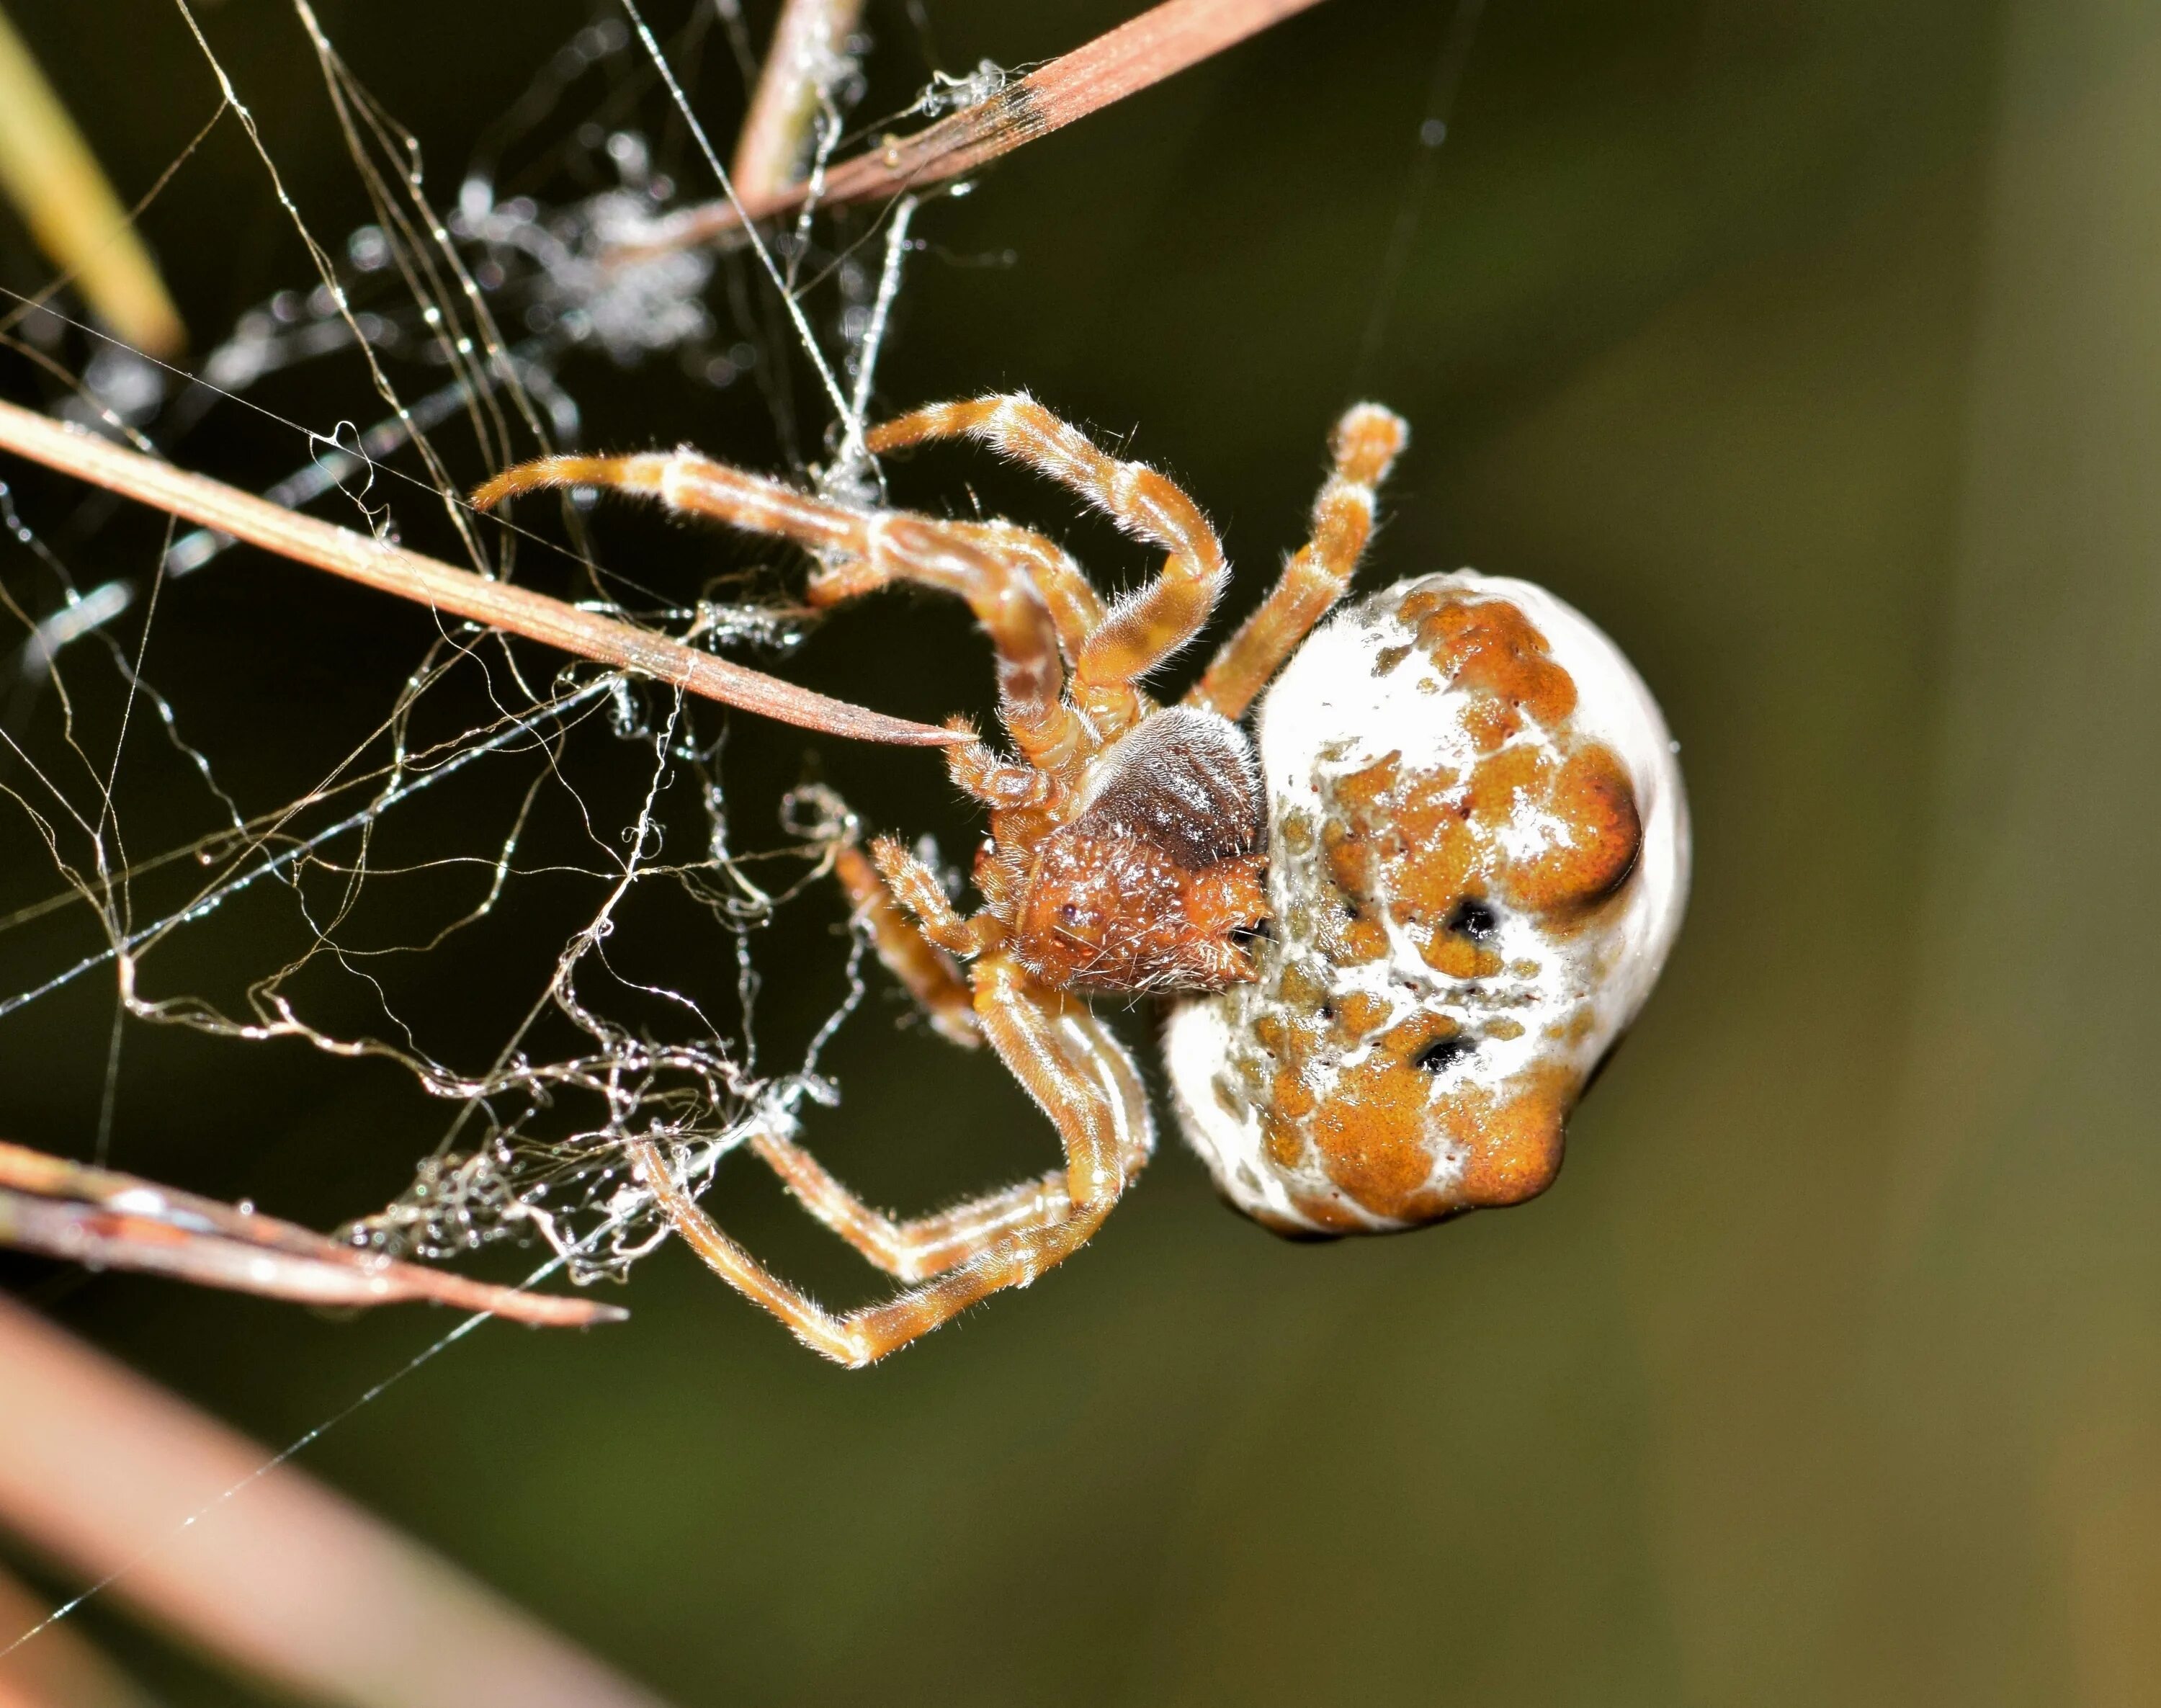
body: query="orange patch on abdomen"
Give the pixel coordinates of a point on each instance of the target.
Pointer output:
(1511, 1144)
(1386, 1129)
(1371, 1129)
(1594, 799)
(1488, 646)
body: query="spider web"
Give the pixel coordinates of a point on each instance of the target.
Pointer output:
(503, 805)
(496, 803)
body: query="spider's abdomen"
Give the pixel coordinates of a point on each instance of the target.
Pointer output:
(1152, 882)
(1479, 860)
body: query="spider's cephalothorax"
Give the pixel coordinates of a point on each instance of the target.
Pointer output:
(1160, 868)
(1404, 935)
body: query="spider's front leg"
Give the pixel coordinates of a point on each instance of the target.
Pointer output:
(888, 890)
(1144, 629)
(1085, 1082)
(861, 549)
(1365, 442)
(1075, 606)
(924, 964)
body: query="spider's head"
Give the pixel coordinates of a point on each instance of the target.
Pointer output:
(1480, 858)
(1158, 880)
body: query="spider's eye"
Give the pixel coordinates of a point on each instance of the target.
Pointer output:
(1474, 919)
(1444, 1052)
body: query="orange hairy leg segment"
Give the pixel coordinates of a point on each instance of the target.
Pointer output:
(859, 550)
(925, 969)
(920, 1247)
(1365, 444)
(1082, 1080)
(1143, 630)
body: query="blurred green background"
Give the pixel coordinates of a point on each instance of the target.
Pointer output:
(1813, 348)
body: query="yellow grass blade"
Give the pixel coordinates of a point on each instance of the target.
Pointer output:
(46, 170)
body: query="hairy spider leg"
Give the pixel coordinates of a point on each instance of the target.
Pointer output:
(925, 971)
(1082, 1079)
(923, 1246)
(859, 551)
(1365, 442)
(1143, 629)
(978, 772)
(1075, 606)
(915, 886)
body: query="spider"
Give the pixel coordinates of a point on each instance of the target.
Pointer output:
(1401, 938)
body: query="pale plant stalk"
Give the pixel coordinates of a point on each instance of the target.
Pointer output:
(111, 1221)
(1139, 53)
(60, 1669)
(455, 592)
(114, 1478)
(809, 51)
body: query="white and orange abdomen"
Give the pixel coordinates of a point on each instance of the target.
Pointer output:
(1478, 859)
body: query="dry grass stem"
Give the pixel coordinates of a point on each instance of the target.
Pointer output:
(47, 170)
(1137, 54)
(810, 48)
(60, 1669)
(441, 586)
(82, 1214)
(108, 1473)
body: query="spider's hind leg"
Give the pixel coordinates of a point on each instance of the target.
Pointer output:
(923, 1246)
(1084, 1081)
